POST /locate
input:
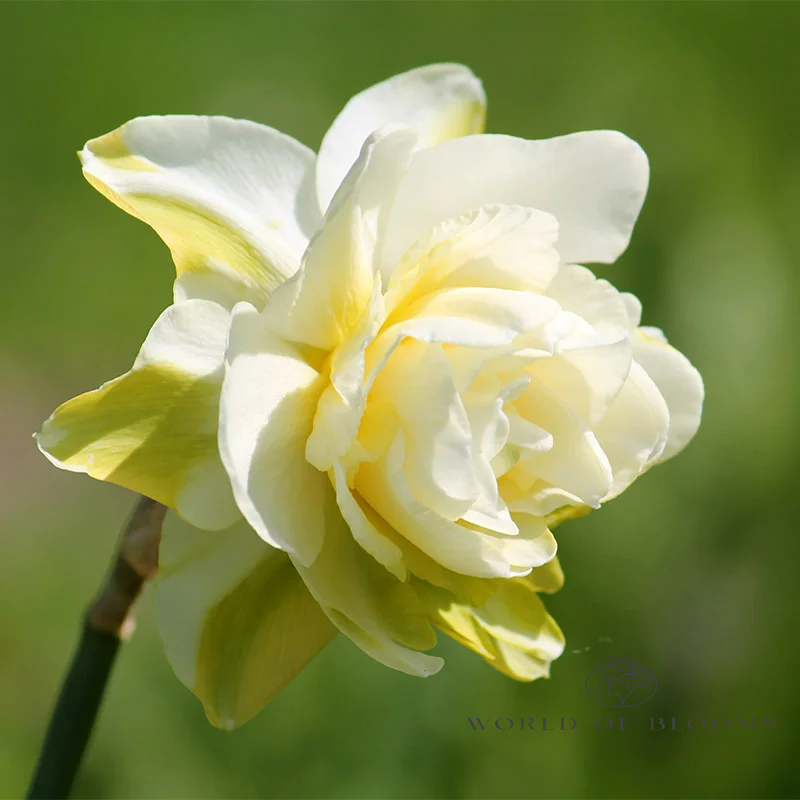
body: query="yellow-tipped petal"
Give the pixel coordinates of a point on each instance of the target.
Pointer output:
(440, 101)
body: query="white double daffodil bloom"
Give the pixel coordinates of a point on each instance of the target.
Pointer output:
(383, 379)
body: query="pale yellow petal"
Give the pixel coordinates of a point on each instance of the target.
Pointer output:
(236, 619)
(679, 382)
(154, 429)
(511, 630)
(379, 613)
(576, 462)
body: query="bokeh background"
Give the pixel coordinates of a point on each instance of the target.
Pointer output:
(693, 572)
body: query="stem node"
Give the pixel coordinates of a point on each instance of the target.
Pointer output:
(108, 621)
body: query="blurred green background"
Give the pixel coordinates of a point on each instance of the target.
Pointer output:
(693, 572)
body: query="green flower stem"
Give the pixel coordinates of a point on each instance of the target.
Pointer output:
(108, 622)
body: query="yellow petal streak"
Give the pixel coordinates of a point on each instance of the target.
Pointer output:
(209, 228)
(199, 241)
(112, 151)
(144, 430)
(459, 119)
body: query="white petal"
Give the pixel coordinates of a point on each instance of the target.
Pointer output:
(593, 183)
(489, 423)
(489, 511)
(440, 101)
(326, 299)
(190, 334)
(678, 381)
(634, 308)
(470, 363)
(230, 198)
(499, 248)
(266, 412)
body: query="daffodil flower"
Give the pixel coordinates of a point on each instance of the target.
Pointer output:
(383, 380)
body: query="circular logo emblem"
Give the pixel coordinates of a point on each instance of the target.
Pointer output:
(620, 681)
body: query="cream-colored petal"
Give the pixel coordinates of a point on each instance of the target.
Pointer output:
(489, 511)
(440, 101)
(508, 311)
(593, 299)
(154, 429)
(236, 619)
(593, 183)
(588, 377)
(382, 615)
(327, 298)
(266, 412)
(472, 363)
(536, 497)
(678, 381)
(529, 438)
(457, 546)
(500, 247)
(524, 440)
(576, 462)
(233, 200)
(634, 431)
(368, 529)
(341, 408)
(418, 381)
(490, 429)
